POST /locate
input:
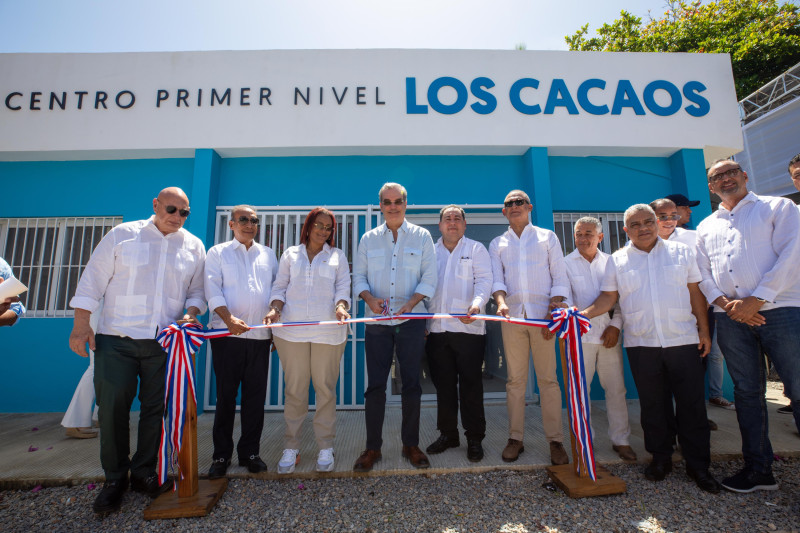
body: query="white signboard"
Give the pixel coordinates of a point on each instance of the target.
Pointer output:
(323, 102)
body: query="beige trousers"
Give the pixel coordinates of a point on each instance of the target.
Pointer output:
(518, 342)
(303, 362)
(608, 363)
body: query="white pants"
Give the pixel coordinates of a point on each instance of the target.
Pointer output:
(608, 363)
(79, 412)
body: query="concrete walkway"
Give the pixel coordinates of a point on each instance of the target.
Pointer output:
(34, 449)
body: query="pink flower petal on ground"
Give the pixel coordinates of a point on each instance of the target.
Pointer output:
(34, 429)
(301, 487)
(90, 486)
(37, 488)
(50, 448)
(32, 448)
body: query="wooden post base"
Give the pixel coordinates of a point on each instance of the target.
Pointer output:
(170, 505)
(582, 487)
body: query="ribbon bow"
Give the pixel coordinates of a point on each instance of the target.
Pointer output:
(180, 343)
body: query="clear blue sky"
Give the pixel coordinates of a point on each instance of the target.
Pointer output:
(164, 25)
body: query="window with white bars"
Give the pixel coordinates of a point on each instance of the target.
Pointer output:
(49, 255)
(614, 236)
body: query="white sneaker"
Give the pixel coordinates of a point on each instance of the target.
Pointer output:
(325, 460)
(288, 461)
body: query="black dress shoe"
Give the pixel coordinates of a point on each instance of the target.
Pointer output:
(110, 497)
(219, 467)
(150, 485)
(704, 480)
(442, 443)
(474, 450)
(657, 470)
(254, 464)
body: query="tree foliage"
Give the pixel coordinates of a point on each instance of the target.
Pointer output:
(762, 36)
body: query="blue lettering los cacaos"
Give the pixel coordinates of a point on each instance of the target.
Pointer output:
(660, 97)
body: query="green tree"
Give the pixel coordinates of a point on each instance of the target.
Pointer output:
(762, 36)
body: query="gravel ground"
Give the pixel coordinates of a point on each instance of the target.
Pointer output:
(506, 501)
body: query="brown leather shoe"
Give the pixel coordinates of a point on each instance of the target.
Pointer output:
(625, 453)
(558, 455)
(366, 460)
(512, 450)
(416, 456)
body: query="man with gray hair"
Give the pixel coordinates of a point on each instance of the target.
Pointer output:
(586, 266)
(393, 272)
(666, 337)
(530, 280)
(455, 348)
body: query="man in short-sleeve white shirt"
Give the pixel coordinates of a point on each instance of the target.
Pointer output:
(665, 318)
(602, 351)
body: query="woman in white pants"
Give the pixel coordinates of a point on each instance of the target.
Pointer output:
(313, 283)
(79, 418)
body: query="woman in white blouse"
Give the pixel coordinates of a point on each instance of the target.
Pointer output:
(313, 283)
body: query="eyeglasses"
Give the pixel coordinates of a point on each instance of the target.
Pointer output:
(730, 173)
(518, 202)
(170, 209)
(322, 227)
(244, 220)
(388, 202)
(664, 218)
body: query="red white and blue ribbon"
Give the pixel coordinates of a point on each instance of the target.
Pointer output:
(181, 342)
(570, 325)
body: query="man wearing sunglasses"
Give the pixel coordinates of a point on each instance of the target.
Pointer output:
(668, 219)
(748, 252)
(238, 282)
(393, 272)
(530, 280)
(148, 274)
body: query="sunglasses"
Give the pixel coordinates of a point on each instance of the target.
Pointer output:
(518, 202)
(664, 218)
(323, 227)
(244, 220)
(170, 209)
(388, 202)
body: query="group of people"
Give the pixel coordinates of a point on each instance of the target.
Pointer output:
(147, 274)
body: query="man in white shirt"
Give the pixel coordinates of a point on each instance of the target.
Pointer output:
(147, 272)
(238, 280)
(748, 252)
(530, 280)
(667, 215)
(394, 271)
(455, 348)
(666, 336)
(586, 266)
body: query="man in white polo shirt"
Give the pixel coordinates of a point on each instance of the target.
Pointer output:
(666, 336)
(586, 266)
(455, 348)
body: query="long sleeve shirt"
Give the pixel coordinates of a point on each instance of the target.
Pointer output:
(585, 279)
(529, 269)
(654, 293)
(751, 250)
(465, 279)
(309, 291)
(396, 271)
(240, 279)
(146, 277)
(6, 273)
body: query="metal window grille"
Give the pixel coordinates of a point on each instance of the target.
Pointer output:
(49, 255)
(614, 239)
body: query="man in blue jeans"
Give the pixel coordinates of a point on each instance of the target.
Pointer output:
(748, 253)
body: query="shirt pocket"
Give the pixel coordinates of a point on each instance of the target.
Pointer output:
(682, 321)
(184, 264)
(630, 281)
(456, 306)
(635, 323)
(131, 310)
(230, 274)
(327, 270)
(376, 260)
(464, 268)
(674, 275)
(135, 254)
(412, 259)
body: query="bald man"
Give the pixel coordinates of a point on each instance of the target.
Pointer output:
(149, 274)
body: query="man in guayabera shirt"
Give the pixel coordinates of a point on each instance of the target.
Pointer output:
(530, 280)
(748, 252)
(395, 267)
(586, 266)
(665, 317)
(456, 347)
(150, 274)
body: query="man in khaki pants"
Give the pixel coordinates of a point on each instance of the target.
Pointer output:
(530, 279)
